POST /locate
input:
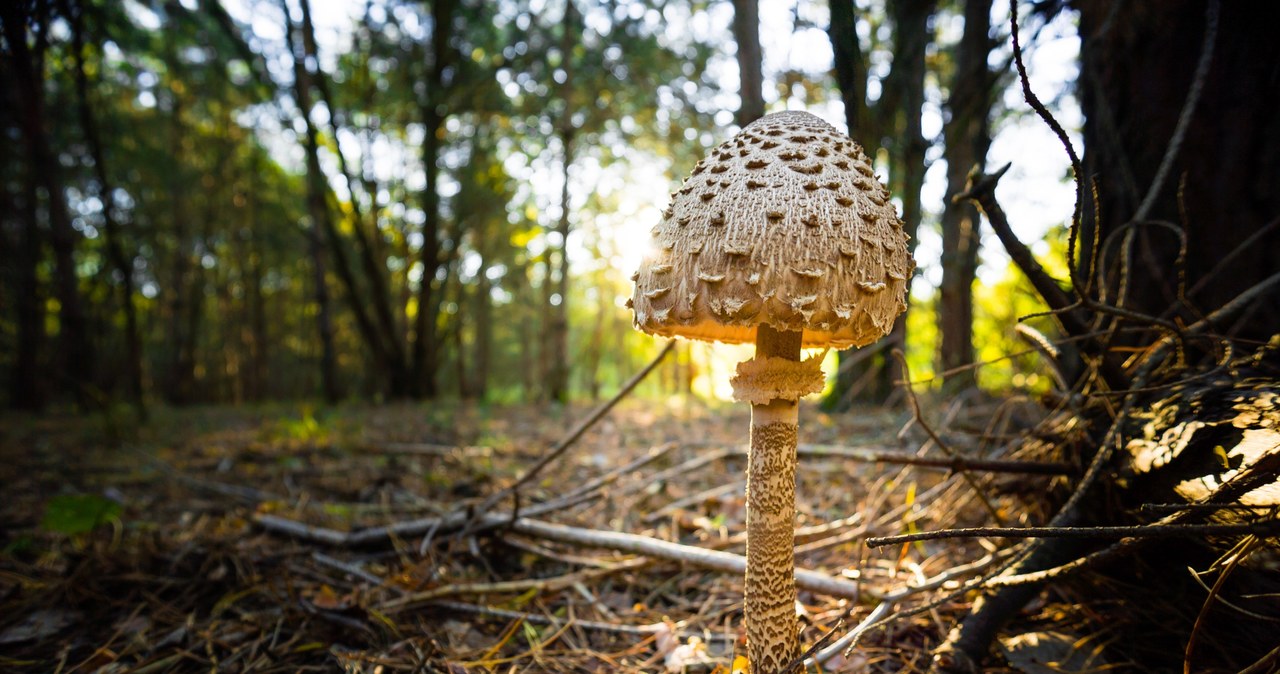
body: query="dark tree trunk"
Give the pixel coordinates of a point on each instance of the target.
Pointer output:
(746, 33)
(904, 87)
(558, 377)
(851, 77)
(321, 223)
(26, 386)
(122, 263)
(434, 111)
(259, 354)
(483, 335)
(25, 64)
(967, 135)
(558, 373)
(1138, 63)
(386, 342)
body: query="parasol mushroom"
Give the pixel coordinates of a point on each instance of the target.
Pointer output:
(784, 238)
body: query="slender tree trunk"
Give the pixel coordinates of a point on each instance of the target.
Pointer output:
(558, 376)
(851, 71)
(122, 263)
(558, 381)
(259, 355)
(968, 136)
(387, 343)
(425, 356)
(318, 211)
(483, 334)
(26, 387)
(26, 66)
(383, 345)
(911, 38)
(851, 77)
(746, 33)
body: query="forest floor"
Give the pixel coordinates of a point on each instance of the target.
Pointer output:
(149, 549)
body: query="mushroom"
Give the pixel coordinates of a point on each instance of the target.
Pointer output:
(794, 267)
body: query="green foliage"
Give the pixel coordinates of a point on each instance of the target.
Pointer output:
(78, 514)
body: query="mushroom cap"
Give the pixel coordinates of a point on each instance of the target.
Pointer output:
(784, 225)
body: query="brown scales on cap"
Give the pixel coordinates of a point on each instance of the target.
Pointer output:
(790, 232)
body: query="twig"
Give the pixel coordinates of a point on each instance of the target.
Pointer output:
(612, 476)
(882, 454)
(576, 433)
(1264, 663)
(491, 612)
(891, 598)
(1225, 262)
(667, 510)
(1243, 550)
(981, 190)
(1155, 355)
(353, 570)
(918, 418)
(1076, 167)
(955, 463)
(1188, 110)
(380, 534)
(554, 584)
(1140, 531)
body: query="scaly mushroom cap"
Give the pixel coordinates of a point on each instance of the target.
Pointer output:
(783, 225)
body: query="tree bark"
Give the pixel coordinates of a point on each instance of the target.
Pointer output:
(967, 135)
(318, 211)
(27, 392)
(1138, 65)
(387, 341)
(905, 87)
(433, 111)
(746, 33)
(851, 77)
(26, 66)
(558, 379)
(558, 374)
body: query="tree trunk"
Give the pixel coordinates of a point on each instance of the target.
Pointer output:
(1138, 64)
(746, 33)
(26, 388)
(483, 334)
(967, 135)
(425, 356)
(387, 342)
(558, 379)
(115, 250)
(318, 211)
(905, 86)
(558, 374)
(26, 66)
(384, 346)
(851, 77)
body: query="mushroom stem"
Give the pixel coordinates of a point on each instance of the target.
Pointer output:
(772, 630)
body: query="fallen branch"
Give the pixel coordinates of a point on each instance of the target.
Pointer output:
(714, 560)
(953, 464)
(1264, 528)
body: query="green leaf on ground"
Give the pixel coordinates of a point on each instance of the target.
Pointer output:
(75, 514)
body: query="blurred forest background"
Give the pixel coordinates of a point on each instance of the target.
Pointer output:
(231, 201)
(228, 202)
